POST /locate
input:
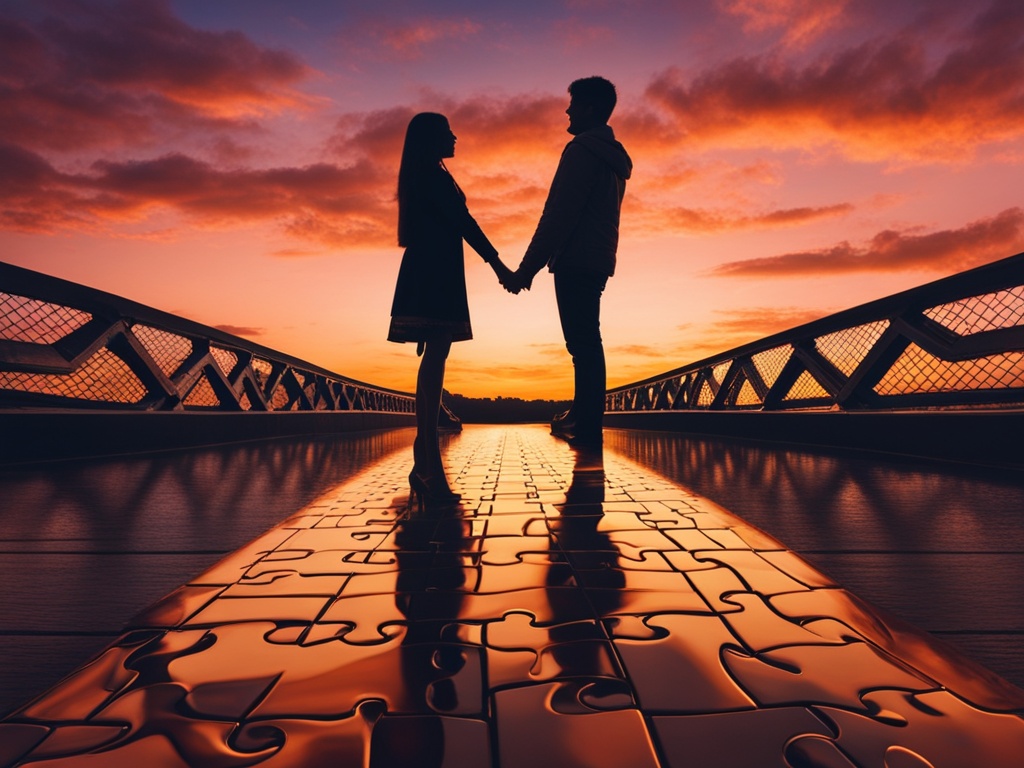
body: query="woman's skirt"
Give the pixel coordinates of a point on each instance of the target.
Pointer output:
(430, 297)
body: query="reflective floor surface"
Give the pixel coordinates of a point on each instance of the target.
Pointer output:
(575, 609)
(85, 545)
(939, 544)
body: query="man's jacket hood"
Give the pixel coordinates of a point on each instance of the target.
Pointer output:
(601, 141)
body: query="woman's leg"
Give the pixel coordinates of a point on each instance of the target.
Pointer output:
(429, 384)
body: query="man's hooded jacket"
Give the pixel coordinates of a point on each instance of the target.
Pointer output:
(579, 228)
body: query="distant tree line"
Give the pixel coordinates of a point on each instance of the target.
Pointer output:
(503, 410)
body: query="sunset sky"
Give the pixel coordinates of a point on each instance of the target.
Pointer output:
(234, 162)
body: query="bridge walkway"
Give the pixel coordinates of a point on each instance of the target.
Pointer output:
(575, 609)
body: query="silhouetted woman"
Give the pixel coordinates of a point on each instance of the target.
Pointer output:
(430, 306)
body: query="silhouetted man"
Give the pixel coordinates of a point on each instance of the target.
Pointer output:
(577, 238)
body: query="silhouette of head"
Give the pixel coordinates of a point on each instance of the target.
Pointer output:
(428, 140)
(591, 102)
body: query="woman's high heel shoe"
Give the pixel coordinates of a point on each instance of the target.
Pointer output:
(430, 491)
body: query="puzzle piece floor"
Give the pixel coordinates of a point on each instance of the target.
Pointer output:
(574, 609)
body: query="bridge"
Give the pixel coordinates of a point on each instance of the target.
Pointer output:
(812, 541)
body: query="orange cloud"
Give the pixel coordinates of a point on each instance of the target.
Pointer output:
(801, 20)
(758, 322)
(878, 99)
(495, 129)
(506, 153)
(680, 219)
(340, 205)
(410, 38)
(241, 330)
(949, 250)
(314, 201)
(407, 39)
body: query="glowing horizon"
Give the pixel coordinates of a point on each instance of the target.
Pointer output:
(235, 165)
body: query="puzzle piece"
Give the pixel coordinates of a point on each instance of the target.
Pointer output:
(358, 539)
(533, 732)
(322, 743)
(330, 563)
(327, 678)
(444, 742)
(287, 584)
(760, 628)
(157, 713)
(18, 739)
(834, 675)
(753, 570)
(927, 733)
(920, 650)
(520, 651)
(231, 568)
(176, 608)
(747, 738)
(89, 687)
(226, 610)
(681, 670)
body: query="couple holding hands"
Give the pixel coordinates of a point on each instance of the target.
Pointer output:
(576, 239)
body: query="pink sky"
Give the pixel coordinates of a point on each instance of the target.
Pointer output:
(234, 162)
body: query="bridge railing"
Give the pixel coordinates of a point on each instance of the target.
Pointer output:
(954, 343)
(63, 345)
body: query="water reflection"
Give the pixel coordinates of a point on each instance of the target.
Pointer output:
(521, 627)
(84, 545)
(939, 544)
(820, 501)
(207, 499)
(585, 557)
(429, 593)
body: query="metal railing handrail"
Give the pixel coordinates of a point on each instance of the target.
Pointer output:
(900, 321)
(31, 370)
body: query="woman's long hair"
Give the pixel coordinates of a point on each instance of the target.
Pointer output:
(420, 154)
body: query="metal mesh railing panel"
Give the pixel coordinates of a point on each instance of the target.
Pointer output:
(168, 350)
(37, 322)
(806, 387)
(309, 390)
(262, 369)
(226, 359)
(718, 372)
(846, 349)
(771, 362)
(918, 371)
(202, 394)
(747, 395)
(279, 401)
(104, 377)
(150, 360)
(977, 314)
(705, 396)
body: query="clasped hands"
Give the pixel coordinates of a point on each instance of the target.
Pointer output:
(513, 282)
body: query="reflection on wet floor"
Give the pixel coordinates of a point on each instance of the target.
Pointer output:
(939, 544)
(572, 610)
(85, 545)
